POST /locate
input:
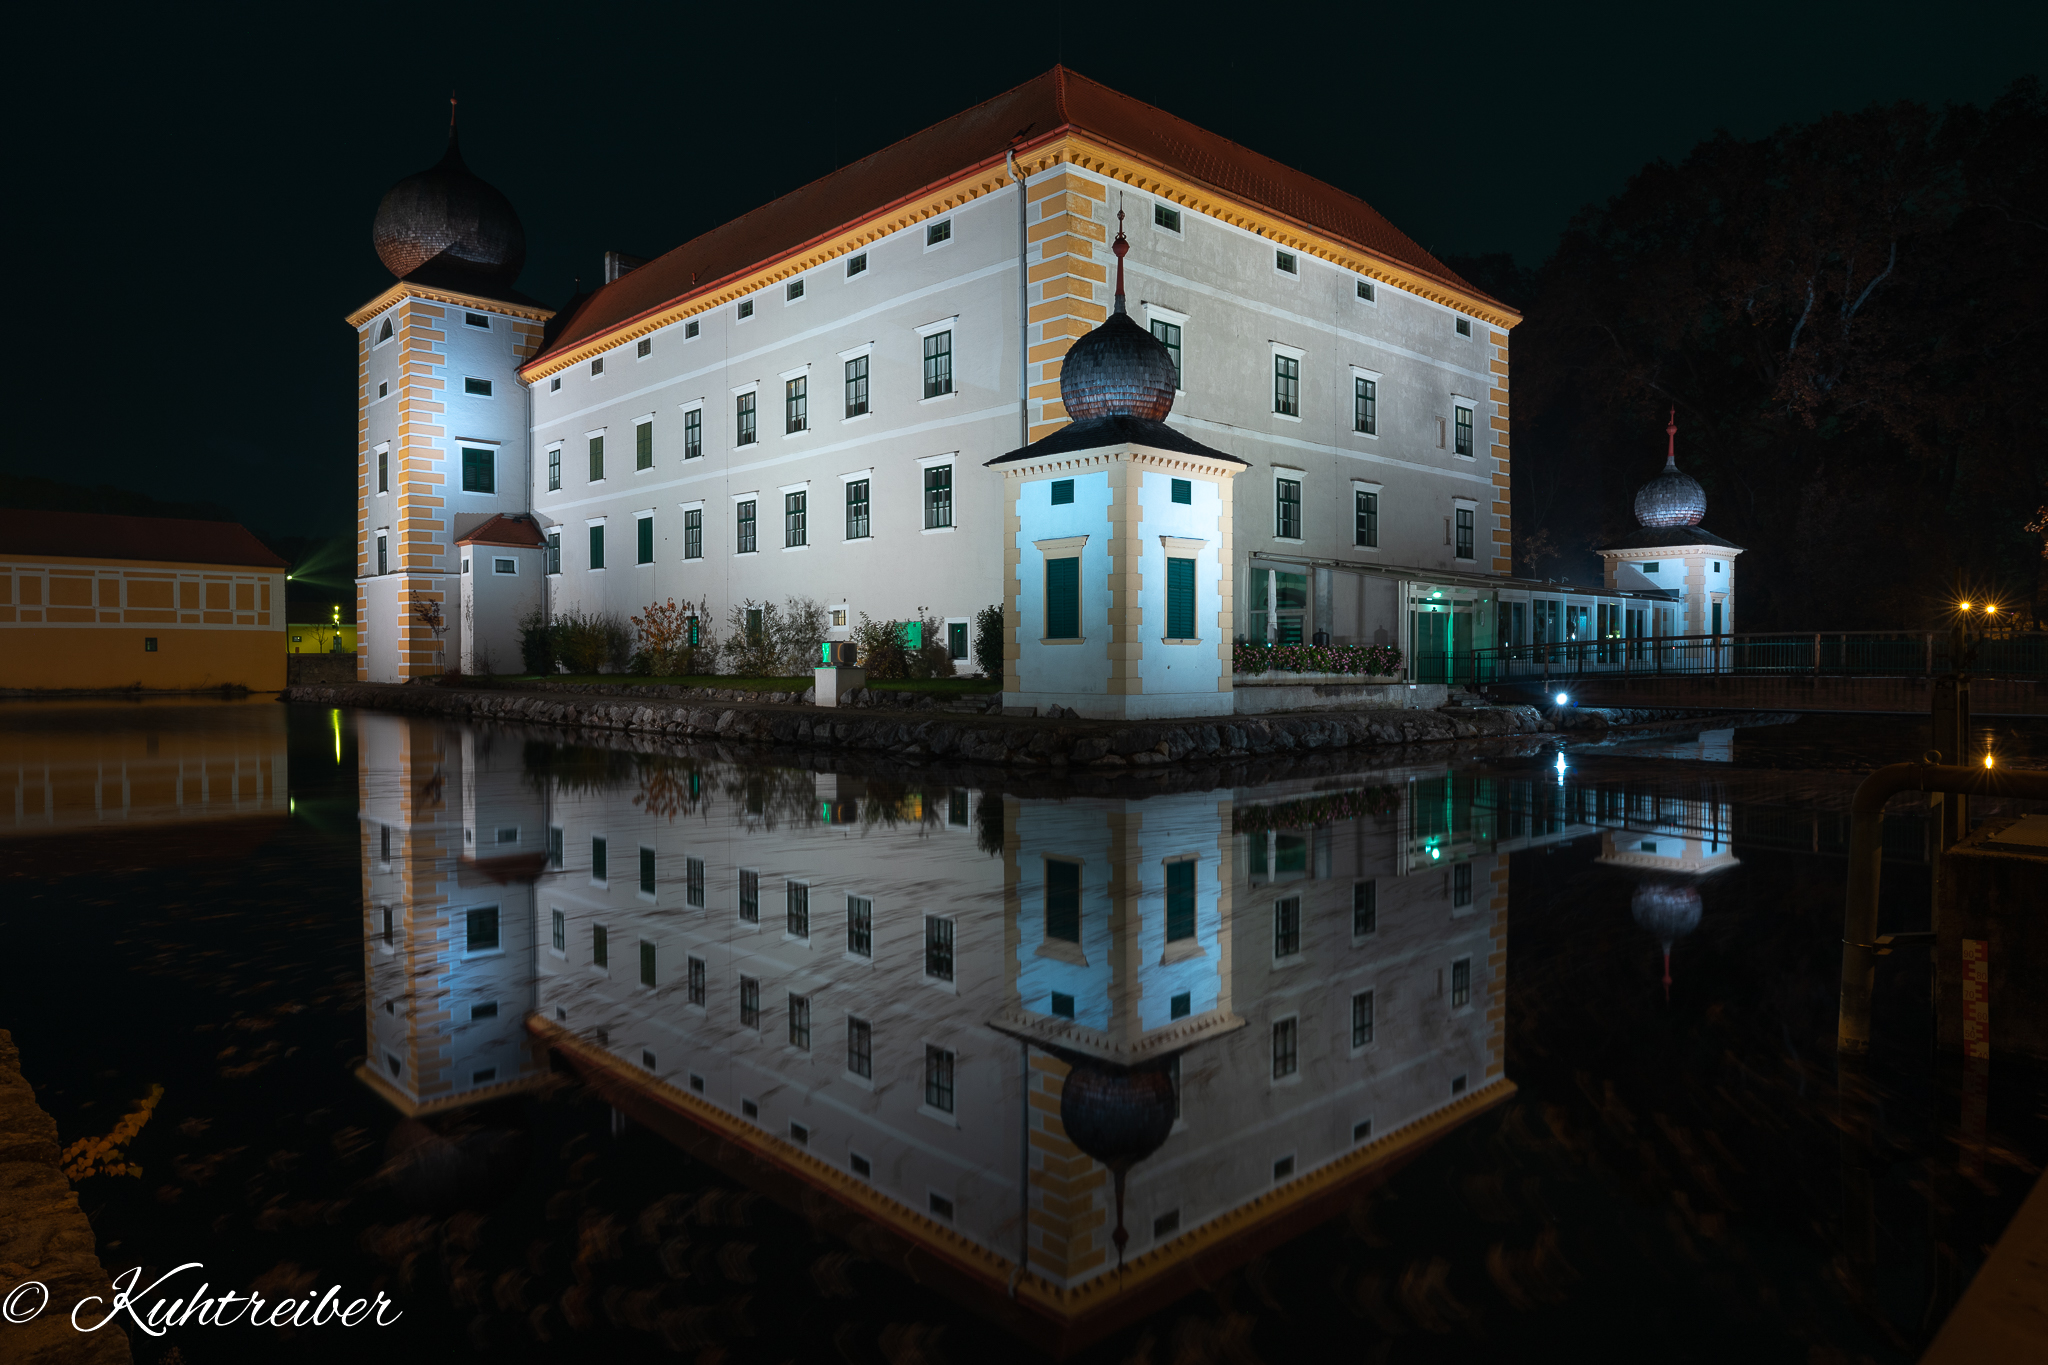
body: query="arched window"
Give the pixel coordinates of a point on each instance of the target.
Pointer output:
(384, 332)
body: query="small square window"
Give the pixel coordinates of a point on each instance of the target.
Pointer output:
(860, 1165)
(857, 264)
(555, 384)
(1284, 262)
(942, 1207)
(1365, 294)
(484, 1077)
(1062, 491)
(488, 1010)
(1458, 1085)
(938, 948)
(482, 926)
(1461, 983)
(384, 389)
(645, 348)
(941, 231)
(475, 320)
(1183, 491)
(1283, 1168)
(1168, 218)
(1166, 1223)
(793, 291)
(647, 1059)
(1179, 1006)
(1365, 908)
(1464, 327)
(480, 387)
(750, 1109)
(696, 1083)
(1062, 1005)
(799, 1134)
(1361, 1130)
(597, 367)
(746, 309)
(149, 644)
(691, 328)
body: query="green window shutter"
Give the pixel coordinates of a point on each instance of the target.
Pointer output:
(1180, 599)
(1063, 599)
(647, 870)
(1180, 901)
(643, 446)
(597, 859)
(1063, 901)
(596, 458)
(646, 963)
(597, 547)
(646, 528)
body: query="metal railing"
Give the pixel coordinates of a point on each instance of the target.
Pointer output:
(1837, 653)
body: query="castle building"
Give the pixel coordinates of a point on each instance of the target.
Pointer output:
(805, 401)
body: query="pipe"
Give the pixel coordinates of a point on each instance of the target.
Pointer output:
(1023, 1172)
(1866, 859)
(1023, 308)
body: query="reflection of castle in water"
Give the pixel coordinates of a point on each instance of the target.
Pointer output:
(878, 991)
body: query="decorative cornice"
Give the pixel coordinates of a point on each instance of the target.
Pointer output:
(401, 290)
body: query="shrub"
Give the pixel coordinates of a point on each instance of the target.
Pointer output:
(799, 627)
(664, 637)
(536, 643)
(988, 641)
(1254, 658)
(881, 649)
(592, 642)
(931, 658)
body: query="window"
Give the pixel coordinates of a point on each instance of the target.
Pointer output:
(938, 948)
(860, 926)
(857, 264)
(800, 1021)
(938, 496)
(475, 320)
(1285, 1060)
(693, 434)
(941, 231)
(750, 1002)
(795, 519)
(857, 509)
(1464, 327)
(597, 860)
(1180, 901)
(479, 470)
(597, 367)
(384, 843)
(646, 963)
(696, 981)
(860, 1048)
(645, 348)
(938, 1083)
(1166, 217)
(1180, 599)
(938, 364)
(1366, 523)
(750, 896)
(555, 384)
(1461, 884)
(1180, 1006)
(1365, 294)
(554, 469)
(384, 332)
(1464, 532)
(596, 458)
(745, 310)
(600, 946)
(1062, 900)
(956, 650)
(691, 329)
(1286, 386)
(554, 552)
(693, 533)
(1365, 909)
(1061, 1005)
(480, 387)
(1287, 509)
(1287, 927)
(1169, 336)
(1063, 599)
(644, 535)
(1284, 262)
(793, 291)
(745, 416)
(756, 636)
(643, 445)
(857, 386)
(798, 899)
(383, 471)
(1361, 1019)
(1062, 492)
(796, 406)
(1464, 445)
(647, 870)
(1365, 406)
(483, 1077)
(1184, 492)
(558, 932)
(746, 527)
(149, 641)
(1461, 983)
(383, 388)
(383, 555)
(597, 547)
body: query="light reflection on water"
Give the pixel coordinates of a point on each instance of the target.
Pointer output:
(1389, 1115)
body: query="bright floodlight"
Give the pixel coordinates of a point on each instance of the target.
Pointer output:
(1562, 698)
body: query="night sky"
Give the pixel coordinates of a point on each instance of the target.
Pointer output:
(194, 186)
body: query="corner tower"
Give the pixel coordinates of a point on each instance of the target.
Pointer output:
(1674, 554)
(441, 420)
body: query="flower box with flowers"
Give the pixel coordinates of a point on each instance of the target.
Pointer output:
(1305, 663)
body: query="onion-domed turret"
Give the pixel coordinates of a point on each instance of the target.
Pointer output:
(1669, 911)
(448, 216)
(1672, 498)
(1119, 1116)
(1119, 369)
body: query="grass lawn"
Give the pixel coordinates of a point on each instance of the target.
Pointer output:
(945, 687)
(726, 683)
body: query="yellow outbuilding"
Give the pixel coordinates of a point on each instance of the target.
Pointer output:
(100, 602)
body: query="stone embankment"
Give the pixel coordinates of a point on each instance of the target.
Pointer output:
(863, 698)
(44, 1236)
(1018, 741)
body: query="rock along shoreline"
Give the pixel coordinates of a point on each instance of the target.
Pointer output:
(1031, 742)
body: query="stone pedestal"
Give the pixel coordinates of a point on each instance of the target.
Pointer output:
(834, 684)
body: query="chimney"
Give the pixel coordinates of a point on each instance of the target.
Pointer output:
(617, 263)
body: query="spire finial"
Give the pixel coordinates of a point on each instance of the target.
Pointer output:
(1671, 440)
(451, 113)
(1122, 248)
(1667, 973)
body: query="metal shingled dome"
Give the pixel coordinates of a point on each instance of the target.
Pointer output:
(1672, 498)
(1119, 369)
(449, 216)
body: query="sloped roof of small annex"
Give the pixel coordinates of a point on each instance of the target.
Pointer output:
(504, 530)
(1043, 108)
(104, 535)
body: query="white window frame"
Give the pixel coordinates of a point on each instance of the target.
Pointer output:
(743, 310)
(554, 450)
(785, 490)
(697, 405)
(951, 458)
(639, 354)
(1377, 490)
(802, 372)
(1300, 476)
(643, 514)
(476, 443)
(848, 274)
(383, 449)
(497, 560)
(802, 285)
(644, 419)
(693, 328)
(738, 391)
(1372, 286)
(469, 313)
(866, 350)
(1178, 210)
(1176, 319)
(1471, 405)
(968, 622)
(603, 434)
(928, 224)
(589, 522)
(378, 322)
(1291, 254)
(1378, 380)
(1299, 357)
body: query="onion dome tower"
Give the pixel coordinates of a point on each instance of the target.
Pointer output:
(1669, 912)
(1672, 498)
(449, 218)
(1119, 1116)
(1119, 369)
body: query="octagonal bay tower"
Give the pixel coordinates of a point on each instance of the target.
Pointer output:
(1673, 553)
(1117, 543)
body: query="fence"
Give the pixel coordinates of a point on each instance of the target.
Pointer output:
(1817, 654)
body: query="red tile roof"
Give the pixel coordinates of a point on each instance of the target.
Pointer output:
(94, 535)
(504, 530)
(1040, 109)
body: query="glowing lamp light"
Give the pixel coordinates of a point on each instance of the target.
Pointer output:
(1563, 698)
(1966, 606)
(1987, 760)
(1435, 853)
